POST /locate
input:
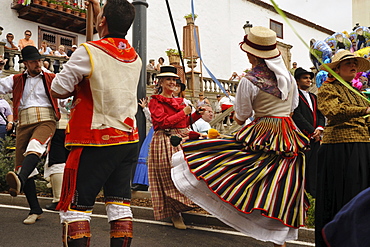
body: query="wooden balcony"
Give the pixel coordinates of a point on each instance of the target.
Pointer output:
(51, 17)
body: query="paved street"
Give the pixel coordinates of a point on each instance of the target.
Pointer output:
(47, 232)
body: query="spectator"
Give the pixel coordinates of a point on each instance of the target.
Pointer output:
(292, 70)
(202, 100)
(59, 53)
(202, 124)
(10, 45)
(6, 119)
(26, 41)
(226, 102)
(159, 64)
(45, 49)
(217, 105)
(234, 77)
(70, 52)
(149, 72)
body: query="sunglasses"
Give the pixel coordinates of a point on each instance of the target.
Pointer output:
(27, 34)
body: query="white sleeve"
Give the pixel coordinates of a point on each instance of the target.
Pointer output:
(6, 84)
(245, 95)
(147, 114)
(295, 100)
(73, 72)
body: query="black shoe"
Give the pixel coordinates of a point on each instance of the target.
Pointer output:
(140, 187)
(52, 206)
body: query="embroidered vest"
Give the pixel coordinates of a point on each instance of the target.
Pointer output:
(18, 87)
(105, 102)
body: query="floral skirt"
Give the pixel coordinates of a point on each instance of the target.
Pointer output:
(260, 171)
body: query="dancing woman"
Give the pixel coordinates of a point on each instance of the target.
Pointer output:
(253, 181)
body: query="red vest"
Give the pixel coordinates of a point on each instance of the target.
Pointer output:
(18, 87)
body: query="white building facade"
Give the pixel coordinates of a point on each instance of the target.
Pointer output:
(220, 25)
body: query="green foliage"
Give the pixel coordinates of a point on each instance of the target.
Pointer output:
(7, 157)
(170, 52)
(190, 16)
(310, 220)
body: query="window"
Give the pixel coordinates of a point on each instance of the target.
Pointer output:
(277, 27)
(56, 38)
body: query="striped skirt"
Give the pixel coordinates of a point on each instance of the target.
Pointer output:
(167, 200)
(259, 170)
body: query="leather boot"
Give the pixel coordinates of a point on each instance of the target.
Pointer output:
(76, 234)
(121, 233)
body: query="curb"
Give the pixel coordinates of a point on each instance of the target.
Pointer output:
(305, 234)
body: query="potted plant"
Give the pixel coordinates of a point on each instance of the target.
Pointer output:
(67, 8)
(192, 63)
(44, 3)
(173, 56)
(83, 13)
(52, 4)
(189, 18)
(60, 6)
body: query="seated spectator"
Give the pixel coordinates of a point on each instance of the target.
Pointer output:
(45, 49)
(60, 53)
(26, 41)
(202, 100)
(202, 124)
(10, 44)
(70, 52)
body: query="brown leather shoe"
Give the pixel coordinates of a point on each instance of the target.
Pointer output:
(14, 183)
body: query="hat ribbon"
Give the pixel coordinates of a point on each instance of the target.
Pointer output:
(259, 47)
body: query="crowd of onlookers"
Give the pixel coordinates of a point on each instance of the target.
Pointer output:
(44, 49)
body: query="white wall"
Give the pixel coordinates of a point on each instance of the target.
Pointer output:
(220, 25)
(332, 14)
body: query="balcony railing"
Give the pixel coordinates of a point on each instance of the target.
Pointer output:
(12, 55)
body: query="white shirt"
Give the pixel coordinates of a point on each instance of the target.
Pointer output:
(201, 126)
(64, 83)
(308, 98)
(227, 100)
(34, 94)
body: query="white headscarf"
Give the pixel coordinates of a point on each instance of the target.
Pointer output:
(283, 76)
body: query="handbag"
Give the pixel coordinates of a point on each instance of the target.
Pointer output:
(10, 132)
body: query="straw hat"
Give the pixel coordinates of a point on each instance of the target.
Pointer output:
(260, 42)
(363, 64)
(168, 71)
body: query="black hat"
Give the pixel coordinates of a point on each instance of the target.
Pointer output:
(30, 53)
(168, 71)
(299, 71)
(182, 85)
